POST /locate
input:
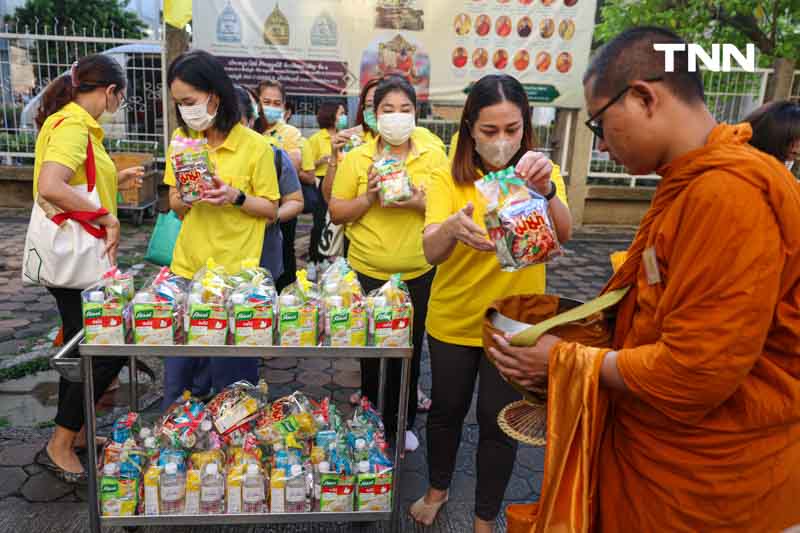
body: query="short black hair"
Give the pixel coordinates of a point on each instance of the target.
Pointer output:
(391, 84)
(630, 56)
(266, 84)
(326, 115)
(245, 102)
(776, 126)
(204, 72)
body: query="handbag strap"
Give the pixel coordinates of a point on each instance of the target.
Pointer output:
(529, 336)
(84, 218)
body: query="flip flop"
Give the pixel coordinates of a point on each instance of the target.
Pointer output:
(426, 511)
(44, 460)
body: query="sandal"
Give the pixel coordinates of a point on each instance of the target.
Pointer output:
(44, 460)
(425, 513)
(423, 402)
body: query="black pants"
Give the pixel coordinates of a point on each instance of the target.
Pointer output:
(288, 231)
(70, 413)
(420, 289)
(454, 369)
(314, 255)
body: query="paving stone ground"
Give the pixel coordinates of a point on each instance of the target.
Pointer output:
(31, 500)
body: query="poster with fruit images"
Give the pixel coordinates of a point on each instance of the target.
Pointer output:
(440, 46)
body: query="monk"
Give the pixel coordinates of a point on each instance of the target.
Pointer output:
(691, 420)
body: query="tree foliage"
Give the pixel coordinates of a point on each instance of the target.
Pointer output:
(94, 17)
(772, 25)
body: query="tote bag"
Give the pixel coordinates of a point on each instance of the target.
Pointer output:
(67, 250)
(162, 241)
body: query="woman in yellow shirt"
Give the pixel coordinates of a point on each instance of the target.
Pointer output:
(229, 223)
(69, 130)
(495, 133)
(388, 240)
(316, 158)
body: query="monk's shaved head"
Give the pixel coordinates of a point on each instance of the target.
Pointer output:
(630, 56)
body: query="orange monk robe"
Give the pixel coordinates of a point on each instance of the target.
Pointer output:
(708, 436)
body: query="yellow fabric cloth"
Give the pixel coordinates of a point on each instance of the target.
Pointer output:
(451, 152)
(63, 139)
(307, 162)
(707, 436)
(617, 259)
(315, 148)
(469, 281)
(386, 240)
(227, 234)
(285, 136)
(177, 13)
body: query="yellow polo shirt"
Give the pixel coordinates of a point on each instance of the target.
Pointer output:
(469, 281)
(386, 240)
(63, 139)
(451, 152)
(285, 136)
(315, 148)
(226, 233)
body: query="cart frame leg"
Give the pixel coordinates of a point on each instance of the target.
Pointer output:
(400, 441)
(91, 434)
(133, 393)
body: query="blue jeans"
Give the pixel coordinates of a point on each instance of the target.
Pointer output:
(200, 374)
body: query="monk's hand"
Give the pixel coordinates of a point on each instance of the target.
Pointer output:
(525, 365)
(535, 168)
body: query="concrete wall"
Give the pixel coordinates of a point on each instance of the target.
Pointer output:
(16, 186)
(616, 205)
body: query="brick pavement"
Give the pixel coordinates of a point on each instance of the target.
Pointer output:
(31, 500)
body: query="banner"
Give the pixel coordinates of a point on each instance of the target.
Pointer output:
(440, 46)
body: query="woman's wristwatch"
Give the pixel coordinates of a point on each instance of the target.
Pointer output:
(550, 195)
(239, 202)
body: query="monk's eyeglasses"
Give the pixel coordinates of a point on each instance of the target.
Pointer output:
(595, 123)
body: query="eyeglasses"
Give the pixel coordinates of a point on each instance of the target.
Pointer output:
(596, 124)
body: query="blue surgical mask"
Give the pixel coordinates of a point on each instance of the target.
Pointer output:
(370, 119)
(273, 114)
(341, 122)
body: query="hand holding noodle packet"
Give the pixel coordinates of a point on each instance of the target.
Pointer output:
(393, 180)
(517, 221)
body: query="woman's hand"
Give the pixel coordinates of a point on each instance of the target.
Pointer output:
(221, 194)
(112, 227)
(536, 168)
(416, 202)
(130, 178)
(324, 160)
(338, 141)
(527, 365)
(373, 185)
(461, 227)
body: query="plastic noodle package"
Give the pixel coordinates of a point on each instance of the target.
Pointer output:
(517, 221)
(192, 166)
(157, 310)
(179, 426)
(344, 307)
(252, 309)
(207, 312)
(298, 320)
(230, 408)
(390, 314)
(394, 182)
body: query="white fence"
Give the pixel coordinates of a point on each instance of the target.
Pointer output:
(32, 57)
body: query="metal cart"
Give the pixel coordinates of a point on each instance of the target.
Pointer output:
(68, 367)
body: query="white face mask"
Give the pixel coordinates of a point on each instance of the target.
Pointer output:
(396, 128)
(789, 164)
(197, 116)
(497, 153)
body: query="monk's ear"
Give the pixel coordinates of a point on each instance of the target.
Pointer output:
(646, 96)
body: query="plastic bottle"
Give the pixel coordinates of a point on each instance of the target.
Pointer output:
(296, 491)
(145, 434)
(110, 502)
(317, 458)
(277, 491)
(203, 435)
(212, 490)
(173, 490)
(253, 496)
(282, 460)
(151, 451)
(361, 452)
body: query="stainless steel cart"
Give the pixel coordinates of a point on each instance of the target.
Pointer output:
(88, 352)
